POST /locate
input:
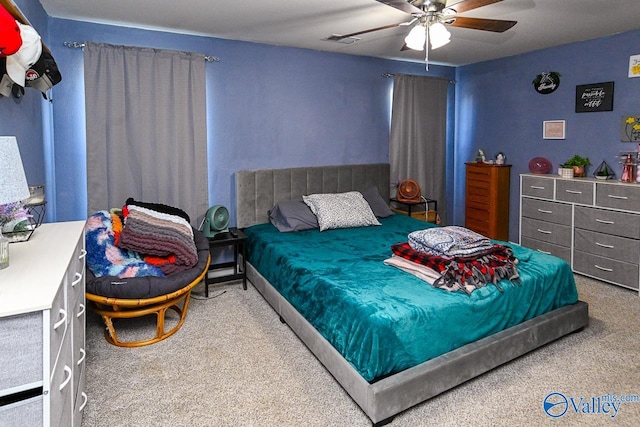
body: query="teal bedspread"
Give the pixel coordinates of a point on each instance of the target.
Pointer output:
(383, 320)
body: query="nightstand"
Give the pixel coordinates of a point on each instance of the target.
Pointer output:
(238, 243)
(428, 215)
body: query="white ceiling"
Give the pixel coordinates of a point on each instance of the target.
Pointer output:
(306, 23)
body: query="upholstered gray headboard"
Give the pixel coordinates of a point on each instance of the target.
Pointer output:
(258, 190)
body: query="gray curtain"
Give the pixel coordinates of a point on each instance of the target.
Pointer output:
(146, 127)
(417, 145)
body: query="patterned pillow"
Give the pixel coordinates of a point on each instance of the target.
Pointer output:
(341, 210)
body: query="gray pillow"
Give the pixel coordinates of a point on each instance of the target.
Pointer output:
(378, 205)
(292, 215)
(341, 210)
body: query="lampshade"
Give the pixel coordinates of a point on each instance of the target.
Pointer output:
(13, 182)
(416, 38)
(438, 35)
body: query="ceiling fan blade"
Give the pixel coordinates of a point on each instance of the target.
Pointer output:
(403, 6)
(467, 5)
(495, 25)
(336, 37)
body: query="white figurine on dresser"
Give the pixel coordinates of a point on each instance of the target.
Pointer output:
(592, 224)
(42, 329)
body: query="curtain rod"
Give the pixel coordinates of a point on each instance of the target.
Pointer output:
(77, 45)
(389, 75)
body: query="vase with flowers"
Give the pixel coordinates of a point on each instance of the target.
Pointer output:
(14, 218)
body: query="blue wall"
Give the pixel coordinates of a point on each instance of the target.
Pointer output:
(274, 106)
(28, 118)
(267, 106)
(497, 109)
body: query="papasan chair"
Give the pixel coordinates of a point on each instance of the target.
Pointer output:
(150, 291)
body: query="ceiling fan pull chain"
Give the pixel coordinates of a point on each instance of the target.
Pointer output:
(426, 47)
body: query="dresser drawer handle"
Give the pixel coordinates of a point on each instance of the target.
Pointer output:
(573, 191)
(544, 211)
(77, 279)
(536, 187)
(602, 221)
(602, 268)
(83, 253)
(84, 401)
(67, 371)
(602, 245)
(81, 311)
(617, 197)
(544, 231)
(83, 354)
(544, 252)
(63, 312)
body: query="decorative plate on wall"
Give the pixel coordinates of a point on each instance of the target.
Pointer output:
(539, 165)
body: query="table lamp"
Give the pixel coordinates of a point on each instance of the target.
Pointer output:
(13, 185)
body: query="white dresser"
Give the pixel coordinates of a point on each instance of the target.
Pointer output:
(592, 224)
(42, 329)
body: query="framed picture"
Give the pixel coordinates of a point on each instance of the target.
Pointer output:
(594, 97)
(553, 129)
(630, 128)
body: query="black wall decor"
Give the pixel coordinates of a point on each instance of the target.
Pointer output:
(546, 82)
(594, 97)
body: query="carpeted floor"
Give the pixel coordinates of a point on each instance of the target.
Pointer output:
(234, 364)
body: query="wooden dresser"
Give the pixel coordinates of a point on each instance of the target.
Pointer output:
(42, 329)
(487, 199)
(593, 225)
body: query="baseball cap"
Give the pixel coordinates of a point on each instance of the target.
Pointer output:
(44, 74)
(26, 56)
(10, 39)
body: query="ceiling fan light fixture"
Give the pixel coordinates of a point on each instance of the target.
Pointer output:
(416, 38)
(438, 35)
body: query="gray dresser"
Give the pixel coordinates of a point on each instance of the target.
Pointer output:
(592, 224)
(42, 329)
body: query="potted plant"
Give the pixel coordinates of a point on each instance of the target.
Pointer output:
(578, 163)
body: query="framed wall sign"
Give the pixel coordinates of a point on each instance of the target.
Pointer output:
(553, 129)
(594, 97)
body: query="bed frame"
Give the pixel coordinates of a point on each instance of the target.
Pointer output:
(259, 190)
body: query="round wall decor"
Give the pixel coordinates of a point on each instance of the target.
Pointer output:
(546, 82)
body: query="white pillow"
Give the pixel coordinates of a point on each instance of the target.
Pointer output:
(341, 210)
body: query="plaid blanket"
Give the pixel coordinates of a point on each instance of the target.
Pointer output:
(466, 273)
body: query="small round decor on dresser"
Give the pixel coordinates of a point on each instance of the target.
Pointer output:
(539, 165)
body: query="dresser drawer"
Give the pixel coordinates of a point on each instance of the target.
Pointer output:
(610, 222)
(562, 252)
(537, 187)
(559, 213)
(573, 191)
(607, 269)
(25, 413)
(619, 248)
(20, 350)
(547, 231)
(477, 225)
(618, 196)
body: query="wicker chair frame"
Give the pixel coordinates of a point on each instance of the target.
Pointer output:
(118, 308)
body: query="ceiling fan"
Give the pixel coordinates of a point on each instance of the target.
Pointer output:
(431, 18)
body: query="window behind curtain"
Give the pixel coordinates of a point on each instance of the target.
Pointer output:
(417, 144)
(146, 127)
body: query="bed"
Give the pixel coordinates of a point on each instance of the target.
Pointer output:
(384, 371)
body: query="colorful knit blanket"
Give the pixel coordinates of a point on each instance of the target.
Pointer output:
(164, 239)
(104, 258)
(466, 273)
